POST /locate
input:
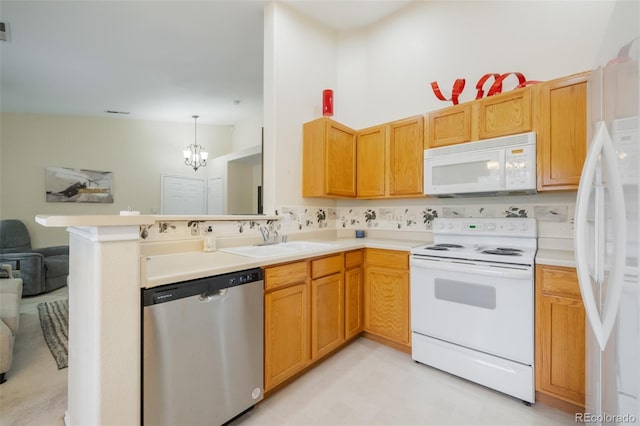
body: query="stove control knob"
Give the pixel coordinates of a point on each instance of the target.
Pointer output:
(491, 226)
(512, 227)
(442, 225)
(524, 226)
(451, 226)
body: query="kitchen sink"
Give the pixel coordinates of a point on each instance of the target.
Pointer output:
(280, 249)
(306, 245)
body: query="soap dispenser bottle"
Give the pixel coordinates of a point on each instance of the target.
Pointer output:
(209, 240)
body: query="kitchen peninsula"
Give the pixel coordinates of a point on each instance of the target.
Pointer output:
(108, 267)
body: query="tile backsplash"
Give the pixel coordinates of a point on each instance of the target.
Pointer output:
(554, 220)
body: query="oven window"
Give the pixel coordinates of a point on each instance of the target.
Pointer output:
(481, 296)
(481, 172)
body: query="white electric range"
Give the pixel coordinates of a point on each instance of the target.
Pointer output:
(472, 302)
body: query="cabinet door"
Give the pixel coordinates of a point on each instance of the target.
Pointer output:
(327, 314)
(286, 333)
(505, 114)
(449, 126)
(354, 299)
(386, 295)
(562, 133)
(560, 334)
(340, 160)
(371, 162)
(406, 157)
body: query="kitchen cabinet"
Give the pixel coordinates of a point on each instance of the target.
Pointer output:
(327, 305)
(371, 170)
(353, 294)
(449, 126)
(504, 114)
(562, 132)
(286, 323)
(390, 159)
(560, 334)
(498, 115)
(386, 296)
(328, 159)
(406, 157)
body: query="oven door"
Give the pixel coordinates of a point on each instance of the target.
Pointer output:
(482, 306)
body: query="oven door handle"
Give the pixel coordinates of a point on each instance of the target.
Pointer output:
(473, 268)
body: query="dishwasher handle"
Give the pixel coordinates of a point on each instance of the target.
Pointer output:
(213, 295)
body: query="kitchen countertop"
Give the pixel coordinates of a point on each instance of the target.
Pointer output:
(172, 268)
(556, 257)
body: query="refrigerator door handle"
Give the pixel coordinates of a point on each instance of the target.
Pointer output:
(601, 146)
(580, 234)
(618, 211)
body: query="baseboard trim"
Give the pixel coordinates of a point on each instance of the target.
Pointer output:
(568, 407)
(388, 342)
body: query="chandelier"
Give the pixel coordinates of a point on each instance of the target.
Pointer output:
(195, 155)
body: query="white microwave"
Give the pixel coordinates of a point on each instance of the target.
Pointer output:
(495, 166)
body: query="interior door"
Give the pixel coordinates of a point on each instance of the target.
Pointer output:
(215, 199)
(183, 195)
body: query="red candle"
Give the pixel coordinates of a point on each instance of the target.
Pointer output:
(327, 102)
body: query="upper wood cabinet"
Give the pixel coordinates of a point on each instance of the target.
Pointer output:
(562, 132)
(406, 157)
(371, 154)
(498, 115)
(390, 159)
(505, 114)
(328, 159)
(449, 126)
(560, 334)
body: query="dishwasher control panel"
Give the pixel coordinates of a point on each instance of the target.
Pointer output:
(207, 285)
(244, 278)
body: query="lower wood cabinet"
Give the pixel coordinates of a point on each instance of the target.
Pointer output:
(312, 307)
(386, 295)
(286, 323)
(560, 334)
(327, 305)
(353, 294)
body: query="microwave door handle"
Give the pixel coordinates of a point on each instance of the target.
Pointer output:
(503, 168)
(474, 268)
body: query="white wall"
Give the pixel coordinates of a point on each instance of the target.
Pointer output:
(247, 134)
(384, 73)
(300, 61)
(137, 152)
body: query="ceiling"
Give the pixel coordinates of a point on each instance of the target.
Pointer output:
(156, 60)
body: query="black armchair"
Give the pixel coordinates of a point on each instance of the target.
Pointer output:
(41, 270)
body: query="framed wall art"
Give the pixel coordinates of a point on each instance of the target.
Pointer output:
(78, 185)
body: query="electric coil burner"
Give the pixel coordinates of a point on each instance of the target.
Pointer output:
(472, 302)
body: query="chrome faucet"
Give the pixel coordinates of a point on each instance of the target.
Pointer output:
(269, 234)
(265, 234)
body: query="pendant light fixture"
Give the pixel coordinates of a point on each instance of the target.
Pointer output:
(195, 155)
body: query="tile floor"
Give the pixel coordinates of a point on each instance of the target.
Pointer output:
(370, 384)
(363, 384)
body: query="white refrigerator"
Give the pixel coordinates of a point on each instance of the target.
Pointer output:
(606, 225)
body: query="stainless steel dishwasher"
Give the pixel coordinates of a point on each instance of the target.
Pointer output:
(202, 349)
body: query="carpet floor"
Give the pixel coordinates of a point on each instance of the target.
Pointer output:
(35, 392)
